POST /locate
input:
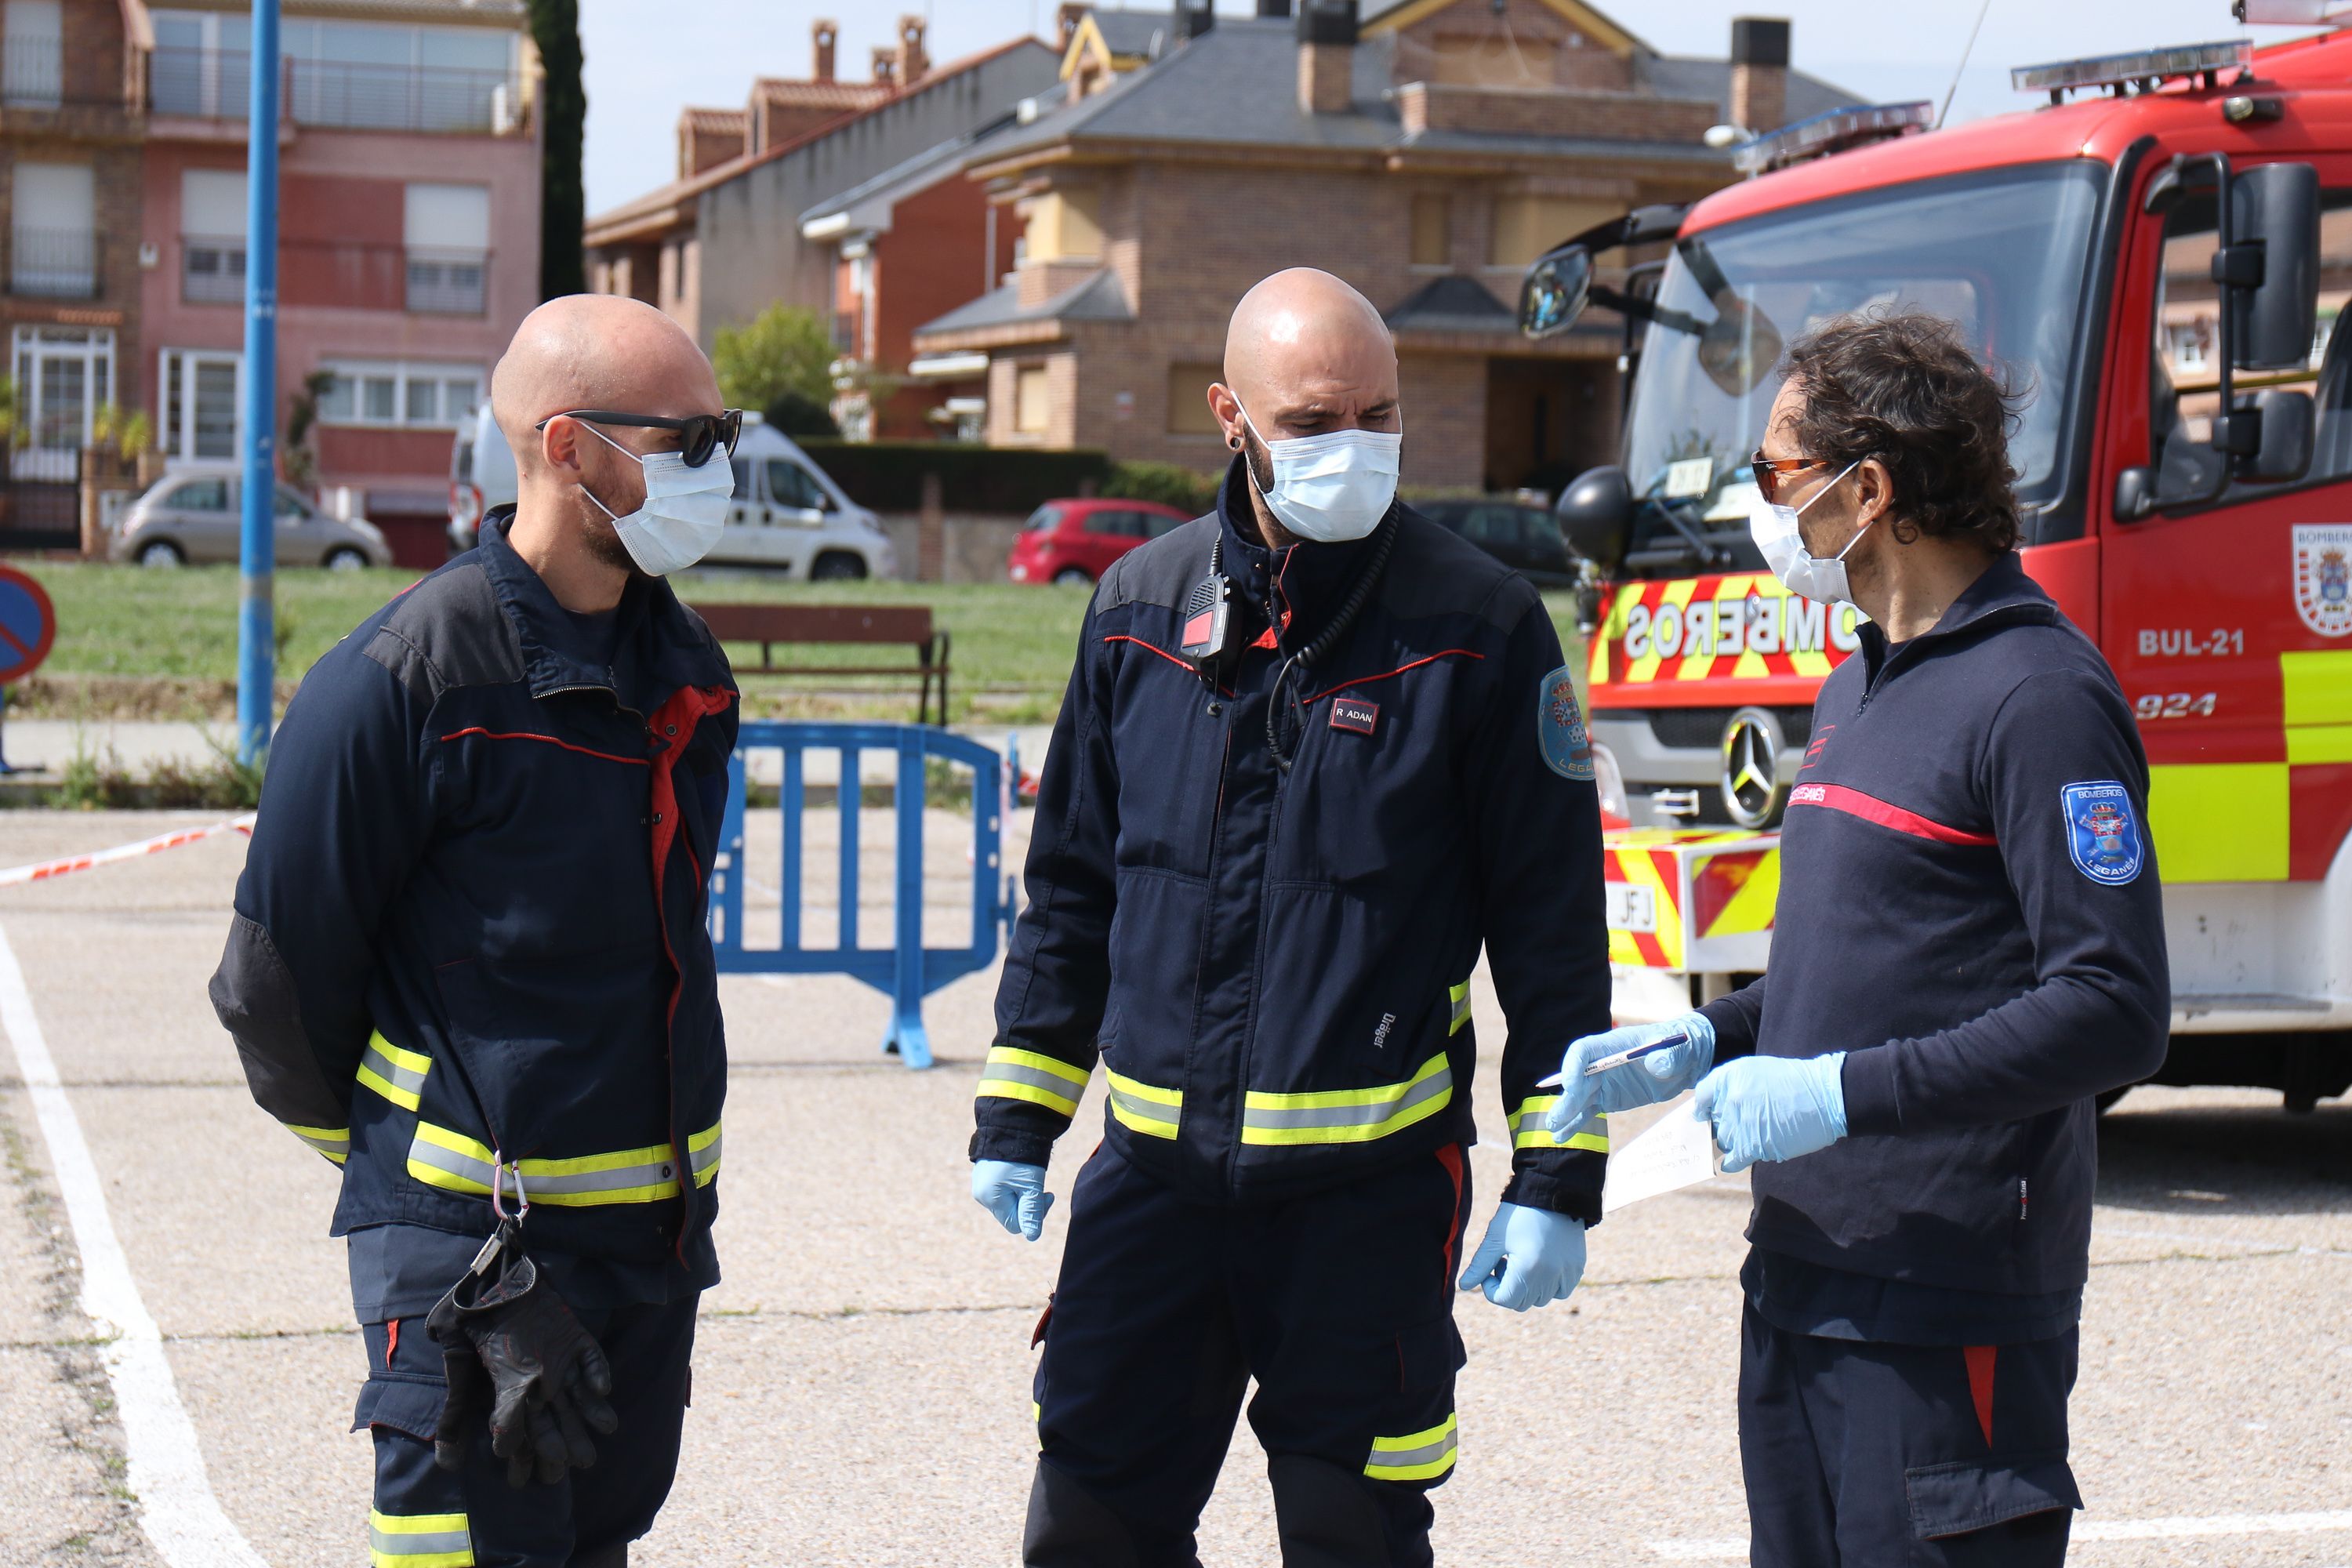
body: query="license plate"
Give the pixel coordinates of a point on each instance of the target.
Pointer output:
(1629, 907)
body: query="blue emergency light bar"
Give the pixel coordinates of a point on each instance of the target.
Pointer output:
(2150, 65)
(1832, 132)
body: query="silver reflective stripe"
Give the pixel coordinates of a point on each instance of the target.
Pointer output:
(1144, 1109)
(551, 1189)
(1596, 1122)
(1435, 1084)
(410, 1079)
(1009, 1072)
(1427, 1454)
(436, 1543)
(463, 1166)
(706, 1157)
(1461, 1010)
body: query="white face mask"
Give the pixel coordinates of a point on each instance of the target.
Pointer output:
(1774, 529)
(1329, 487)
(685, 510)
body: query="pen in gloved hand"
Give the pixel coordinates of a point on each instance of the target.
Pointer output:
(1663, 1043)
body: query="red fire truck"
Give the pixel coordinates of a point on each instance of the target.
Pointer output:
(2160, 253)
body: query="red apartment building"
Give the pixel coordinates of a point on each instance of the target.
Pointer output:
(910, 244)
(408, 232)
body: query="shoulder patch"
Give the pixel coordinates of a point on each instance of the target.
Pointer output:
(1559, 727)
(2103, 832)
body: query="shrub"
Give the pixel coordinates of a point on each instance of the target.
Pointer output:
(1164, 482)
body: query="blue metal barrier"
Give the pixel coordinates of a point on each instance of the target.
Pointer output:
(907, 970)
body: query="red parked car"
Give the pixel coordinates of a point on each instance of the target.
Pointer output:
(1076, 541)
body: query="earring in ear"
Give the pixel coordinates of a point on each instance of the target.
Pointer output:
(1235, 442)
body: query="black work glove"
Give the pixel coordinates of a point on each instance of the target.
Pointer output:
(510, 1345)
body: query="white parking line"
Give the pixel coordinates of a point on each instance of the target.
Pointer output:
(2177, 1528)
(176, 1506)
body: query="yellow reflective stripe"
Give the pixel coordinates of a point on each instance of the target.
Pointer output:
(393, 1072)
(1347, 1115)
(1460, 996)
(1415, 1457)
(1141, 1107)
(2219, 821)
(1530, 1129)
(2315, 686)
(1033, 1077)
(2319, 743)
(419, 1540)
(334, 1143)
(455, 1163)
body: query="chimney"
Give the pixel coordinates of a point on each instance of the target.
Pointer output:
(913, 64)
(822, 36)
(886, 64)
(1067, 20)
(1194, 17)
(1274, 10)
(1759, 72)
(1327, 55)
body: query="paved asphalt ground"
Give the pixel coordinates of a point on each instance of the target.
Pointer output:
(862, 1375)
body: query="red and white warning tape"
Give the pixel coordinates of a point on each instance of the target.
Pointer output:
(43, 870)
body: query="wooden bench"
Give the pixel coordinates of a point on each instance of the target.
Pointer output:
(905, 625)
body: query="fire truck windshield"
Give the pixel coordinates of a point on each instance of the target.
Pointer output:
(2004, 253)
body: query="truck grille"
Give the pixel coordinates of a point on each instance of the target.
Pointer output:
(1703, 727)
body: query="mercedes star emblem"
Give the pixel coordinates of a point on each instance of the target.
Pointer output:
(1751, 764)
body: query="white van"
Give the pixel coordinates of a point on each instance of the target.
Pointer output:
(788, 515)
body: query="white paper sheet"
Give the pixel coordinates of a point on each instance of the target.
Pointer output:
(1677, 1150)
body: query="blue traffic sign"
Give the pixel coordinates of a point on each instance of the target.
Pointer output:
(28, 624)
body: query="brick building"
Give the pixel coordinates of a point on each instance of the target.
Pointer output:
(724, 240)
(1423, 150)
(71, 84)
(408, 236)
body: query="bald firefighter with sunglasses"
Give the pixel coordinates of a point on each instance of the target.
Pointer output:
(470, 964)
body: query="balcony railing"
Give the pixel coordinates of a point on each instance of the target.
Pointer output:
(213, 84)
(212, 269)
(54, 263)
(32, 73)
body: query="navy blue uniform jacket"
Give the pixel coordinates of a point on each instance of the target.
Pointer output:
(471, 919)
(1969, 908)
(1273, 968)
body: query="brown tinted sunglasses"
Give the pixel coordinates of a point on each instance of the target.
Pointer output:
(1771, 471)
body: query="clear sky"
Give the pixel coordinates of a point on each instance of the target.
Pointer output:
(648, 59)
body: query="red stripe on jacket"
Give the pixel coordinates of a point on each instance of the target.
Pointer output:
(1869, 808)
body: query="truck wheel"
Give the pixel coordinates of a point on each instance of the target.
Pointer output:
(835, 566)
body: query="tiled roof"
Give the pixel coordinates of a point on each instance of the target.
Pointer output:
(841, 95)
(1098, 298)
(1451, 304)
(678, 191)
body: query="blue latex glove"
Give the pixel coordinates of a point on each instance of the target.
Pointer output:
(1773, 1108)
(1016, 1194)
(1658, 1077)
(1529, 1257)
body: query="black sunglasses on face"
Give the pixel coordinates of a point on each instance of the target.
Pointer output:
(699, 435)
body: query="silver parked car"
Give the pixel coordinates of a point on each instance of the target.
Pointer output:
(195, 515)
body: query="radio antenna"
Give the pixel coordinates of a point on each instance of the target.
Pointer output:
(1957, 70)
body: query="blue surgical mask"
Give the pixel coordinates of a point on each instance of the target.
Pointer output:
(1329, 487)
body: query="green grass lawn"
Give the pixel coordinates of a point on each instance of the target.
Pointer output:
(1011, 655)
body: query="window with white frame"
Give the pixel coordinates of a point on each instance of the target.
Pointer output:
(447, 229)
(399, 394)
(32, 67)
(212, 237)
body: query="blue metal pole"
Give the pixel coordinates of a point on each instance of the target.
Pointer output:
(257, 645)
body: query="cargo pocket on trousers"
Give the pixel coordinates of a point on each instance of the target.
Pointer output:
(1429, 1355)
(1977, 1494)
(405, 1404)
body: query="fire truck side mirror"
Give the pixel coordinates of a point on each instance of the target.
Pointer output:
(2282, 454)
(1596, 515)
(2274, 212)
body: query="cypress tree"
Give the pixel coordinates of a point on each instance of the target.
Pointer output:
(563, 109)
